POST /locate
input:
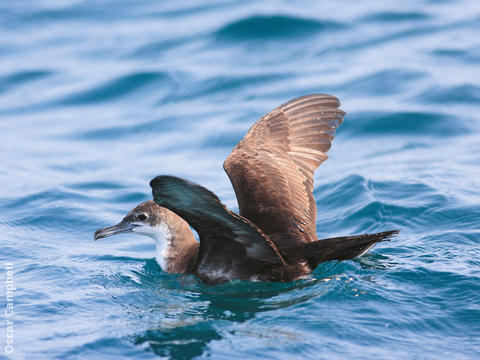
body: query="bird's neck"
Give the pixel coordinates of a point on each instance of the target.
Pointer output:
(176, 248)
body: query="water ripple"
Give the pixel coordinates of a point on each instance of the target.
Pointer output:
(7, 83)
(274, 26)
(389, 17)
(116, 88)
(462, 94)
(98, 97)
(419, 124)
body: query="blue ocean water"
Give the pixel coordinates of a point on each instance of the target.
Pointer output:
(98, 97)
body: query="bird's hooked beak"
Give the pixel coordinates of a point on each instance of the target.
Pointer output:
(122, 227)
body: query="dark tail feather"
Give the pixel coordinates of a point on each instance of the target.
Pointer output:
(343, 248)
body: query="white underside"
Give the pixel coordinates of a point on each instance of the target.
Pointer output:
(163, 240)
(365, 251)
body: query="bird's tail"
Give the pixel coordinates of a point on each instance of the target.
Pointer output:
(343, 248)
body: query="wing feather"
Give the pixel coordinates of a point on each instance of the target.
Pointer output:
(229, 243)
(271, 168)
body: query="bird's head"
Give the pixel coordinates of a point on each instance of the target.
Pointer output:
(176, 246)
(147, 219)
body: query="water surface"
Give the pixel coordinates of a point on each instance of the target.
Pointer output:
(97, 98)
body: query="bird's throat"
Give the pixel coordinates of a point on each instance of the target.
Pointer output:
(175, 250)
(164, 254)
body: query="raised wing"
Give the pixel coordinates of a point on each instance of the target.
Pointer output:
(271, 169)
(230, 245)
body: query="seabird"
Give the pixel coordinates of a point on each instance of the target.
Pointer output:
(274, 237)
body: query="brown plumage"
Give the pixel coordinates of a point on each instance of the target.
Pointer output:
(271, 170)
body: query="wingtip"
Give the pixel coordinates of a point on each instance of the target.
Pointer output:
(387, 235)
(157, 180)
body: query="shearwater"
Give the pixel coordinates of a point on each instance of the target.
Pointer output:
(273, 238)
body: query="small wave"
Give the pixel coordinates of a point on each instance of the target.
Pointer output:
(391, 16)
(109, 258)
(97, 185)
(462, 94)
(383, 205)
(383, 83)
(463, 56)
(156, 48)
(61, 209)
(44, 198)
(406, 123)
(10, 81)
(74, 11)
(132, 197)
(233, 83)
(119, 132)
(274, 26)
(181, 342)
(115, 89)
(413, 32)
(43, 272)
(331, 196)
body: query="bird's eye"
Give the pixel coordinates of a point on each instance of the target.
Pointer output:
(142, 217)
